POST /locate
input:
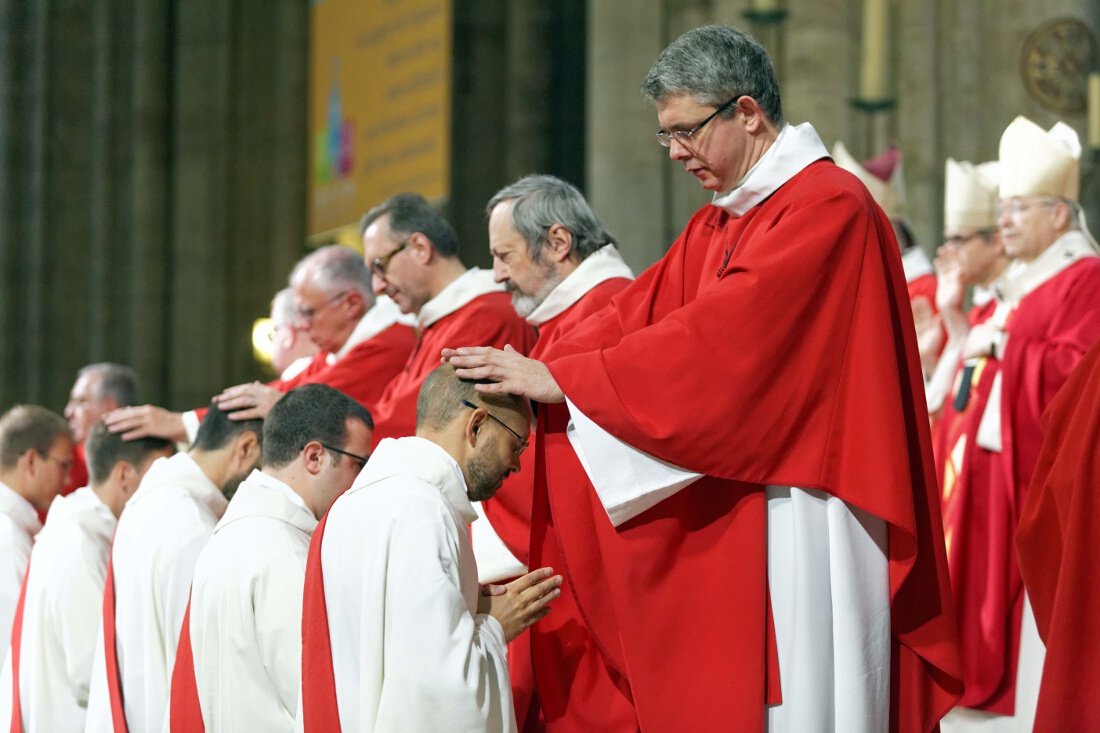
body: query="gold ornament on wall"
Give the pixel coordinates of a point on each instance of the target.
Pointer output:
(1057, 59)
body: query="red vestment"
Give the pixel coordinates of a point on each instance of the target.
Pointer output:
(774, 348)
(1056, 540)
(184, 707)
(78, 474)
(978, 520)
(510, 512)
(489, 320)
(923, 287)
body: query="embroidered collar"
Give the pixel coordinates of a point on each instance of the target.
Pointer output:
(603, 264)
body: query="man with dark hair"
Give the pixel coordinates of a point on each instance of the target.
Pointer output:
(165, 526)
(744, 463)
(401, 638)
(99, 389)
(364, 342)
(242, 631)
(36, 453)
(64, 587)
(560, 265)
(413, 255)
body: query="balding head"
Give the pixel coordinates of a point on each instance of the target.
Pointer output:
(484, 433)
(332, 291)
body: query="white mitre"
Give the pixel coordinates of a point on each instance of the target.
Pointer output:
(1037, 162)
(888, 191)
(970, 195)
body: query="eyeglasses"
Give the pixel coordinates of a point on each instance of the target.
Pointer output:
(1016, 206)
(522, 441)
(354, 456)
(65, 464)
(378, 264)
(957, 240)
(665, 137)
(308, 314)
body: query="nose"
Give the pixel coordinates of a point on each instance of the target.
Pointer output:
(500, 272)
(378, 284)
(1004, 219)
(677, 151)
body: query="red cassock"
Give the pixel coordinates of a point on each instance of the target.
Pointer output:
(362, 373)
(510, 514)
(923, 287)
(78, 474)
(775, 348)
(1056, 540)
(978, 520)
(489, 320)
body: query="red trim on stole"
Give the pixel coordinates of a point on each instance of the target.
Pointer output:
(16, 641)
(319, 710)
(114, 678)
(185, 709)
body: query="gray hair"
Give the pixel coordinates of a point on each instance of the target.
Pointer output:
(282, 307)
(714, 64)
(411, 213)
(27, 427)
(540, 202)
(117, 381)
(334, 268)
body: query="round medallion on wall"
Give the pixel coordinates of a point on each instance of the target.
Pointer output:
(1056, 62)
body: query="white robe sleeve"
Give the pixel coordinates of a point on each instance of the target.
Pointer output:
(445, 667)
(172, 588)
(627, 480)
(939, 384)
(98, 719)
(191, 424)
(80, 588)
(277, 600)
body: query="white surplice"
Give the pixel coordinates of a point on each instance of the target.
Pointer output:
(246, 609)
(827, 567)
(163, 528)
(61, 616)
(18, 525)
(410, 652)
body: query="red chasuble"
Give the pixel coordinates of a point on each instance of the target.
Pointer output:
(979, 521)
(1059, 527)
(320, 713)
(510, 512)
(776, 348)
(489, 320)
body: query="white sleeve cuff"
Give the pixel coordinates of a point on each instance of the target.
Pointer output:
(627, 480)
(190, 425)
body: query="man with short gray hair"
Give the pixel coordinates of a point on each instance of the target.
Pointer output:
(750, 520)
(98, 389)
(363, 344)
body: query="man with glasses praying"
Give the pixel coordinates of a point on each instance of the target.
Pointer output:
(363, 343)
(239, 661)
(36, 454)
(759, 544)
(397, 635)
(412, 251)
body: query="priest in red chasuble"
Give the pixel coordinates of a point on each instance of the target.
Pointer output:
(761, 545)
(560, 266)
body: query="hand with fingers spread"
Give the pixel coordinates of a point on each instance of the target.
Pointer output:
(249, 401)
(145, 421)
(510, 372)
(522, 602)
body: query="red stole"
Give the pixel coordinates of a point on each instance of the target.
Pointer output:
(110, 649)
(319, 709)
(776, 348)
(1059, 559)
(185, 709)
(16, 643)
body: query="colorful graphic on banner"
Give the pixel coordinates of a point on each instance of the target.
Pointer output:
(380, 105)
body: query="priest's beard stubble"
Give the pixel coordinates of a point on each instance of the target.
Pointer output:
(526, 303)
(486, 475)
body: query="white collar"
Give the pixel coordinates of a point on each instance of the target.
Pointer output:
(182, 472)
(383, 314)
(916, 264)
(982, 295)
(295, 368)
(603, 264)
(1020, 278)
(83, 506)
(420, 458)
(19, 509)
(795, 148)
(263, 495)
(471, 284)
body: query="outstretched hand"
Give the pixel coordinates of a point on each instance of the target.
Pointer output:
(508, 371)
(146, 421)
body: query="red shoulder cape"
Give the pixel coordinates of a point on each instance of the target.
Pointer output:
(774, 348)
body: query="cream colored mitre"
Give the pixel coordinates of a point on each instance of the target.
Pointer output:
(970, 195)
(890, 195)
(1037, 162)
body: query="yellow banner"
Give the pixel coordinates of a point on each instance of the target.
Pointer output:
(380, 105)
